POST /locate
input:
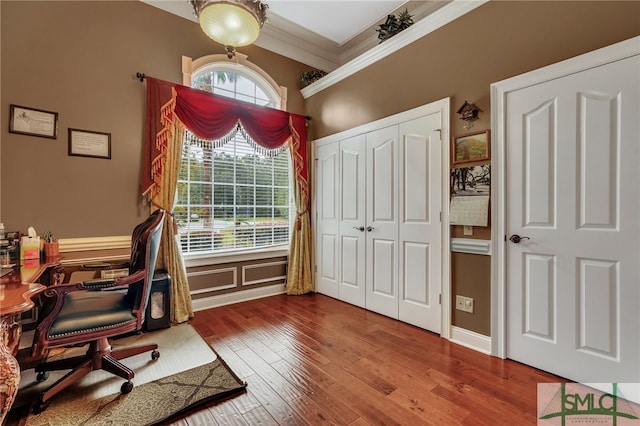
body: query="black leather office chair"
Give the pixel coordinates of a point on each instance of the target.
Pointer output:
(86, 312)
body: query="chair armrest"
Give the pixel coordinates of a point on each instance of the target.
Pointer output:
(98, 283)
(95, 266)
(102, 283)
(103, 266)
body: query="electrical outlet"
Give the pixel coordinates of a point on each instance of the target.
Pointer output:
(464, 304)
(460, 303)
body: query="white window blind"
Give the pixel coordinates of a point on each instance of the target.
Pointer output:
(232, 197)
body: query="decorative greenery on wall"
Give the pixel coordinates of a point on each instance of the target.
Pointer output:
(310, 76)
(393, 25)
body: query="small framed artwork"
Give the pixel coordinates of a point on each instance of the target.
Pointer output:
(471, 147)
(86, 143)
(473, 180)
(33, 122)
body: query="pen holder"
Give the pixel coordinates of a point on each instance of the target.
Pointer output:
(51, 249)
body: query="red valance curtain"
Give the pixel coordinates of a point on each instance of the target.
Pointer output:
(212, 117)
(172, 108)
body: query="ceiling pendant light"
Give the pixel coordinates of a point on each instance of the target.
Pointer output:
(232, 23)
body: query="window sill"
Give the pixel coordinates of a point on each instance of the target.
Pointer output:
(204, 259)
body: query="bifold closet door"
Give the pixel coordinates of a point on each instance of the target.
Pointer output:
(420, 228)
(352, 221)
(381, 227)
(379, 233)
(327, 215)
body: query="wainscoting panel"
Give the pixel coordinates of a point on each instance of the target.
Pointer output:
(264, 272)
(224, 278)
(201, 279)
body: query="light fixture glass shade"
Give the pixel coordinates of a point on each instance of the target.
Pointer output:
(229, 24)
(232, 23)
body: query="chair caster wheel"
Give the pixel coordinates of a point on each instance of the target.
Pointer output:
(42, 376)
(39, 407)
(155, 354)
(126, 387)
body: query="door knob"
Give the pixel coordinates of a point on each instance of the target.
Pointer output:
(359, 228)
(515, 238)
(370, 228)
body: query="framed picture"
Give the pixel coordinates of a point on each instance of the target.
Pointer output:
(86, 143)
(33, 122)
(474, 180)
(471, 147)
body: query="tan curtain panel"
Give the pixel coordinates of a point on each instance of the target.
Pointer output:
(170, 256)
(299, 271)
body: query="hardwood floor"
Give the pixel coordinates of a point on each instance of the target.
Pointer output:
(311, 360)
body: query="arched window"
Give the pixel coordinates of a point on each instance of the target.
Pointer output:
(232, 195)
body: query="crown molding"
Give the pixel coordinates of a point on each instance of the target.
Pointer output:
(429, 24)
(299, 44)
(366, 41)
(289, 39)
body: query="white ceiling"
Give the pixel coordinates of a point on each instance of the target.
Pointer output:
(323, 34)
(339, 21)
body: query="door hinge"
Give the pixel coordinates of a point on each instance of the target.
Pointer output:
(440, 298)
(440, 216)
(315, 268)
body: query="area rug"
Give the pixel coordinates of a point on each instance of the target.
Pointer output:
(190, 374)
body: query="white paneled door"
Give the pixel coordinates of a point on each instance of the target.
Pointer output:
(572, 173)
(327, 234)
(420, 228)
(352, 220)
(381, 226)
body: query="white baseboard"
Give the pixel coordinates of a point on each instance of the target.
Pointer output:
(236, 297)
(471, 339)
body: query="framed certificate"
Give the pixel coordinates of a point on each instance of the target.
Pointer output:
(33, 122)
(86, 143)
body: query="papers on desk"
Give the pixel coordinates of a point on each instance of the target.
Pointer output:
(469, 211)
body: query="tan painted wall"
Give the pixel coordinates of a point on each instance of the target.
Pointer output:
(469, 275)
(79, 59)
(496, 41)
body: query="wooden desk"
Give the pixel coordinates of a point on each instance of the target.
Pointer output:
(16, 292)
